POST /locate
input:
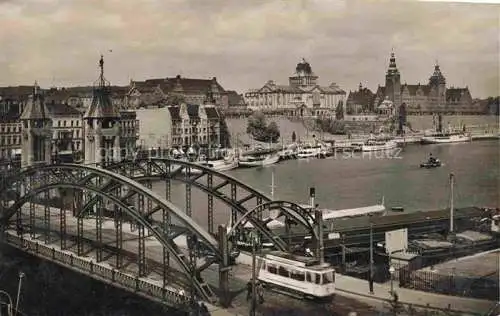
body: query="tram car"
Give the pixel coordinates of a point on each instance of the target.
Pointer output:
(297, 276)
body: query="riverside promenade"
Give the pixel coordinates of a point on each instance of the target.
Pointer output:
(359, 289)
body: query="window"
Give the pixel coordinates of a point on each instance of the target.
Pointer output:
(328, 277)
(297, 275)
(283, 272)
(272, 269)
(318, 278)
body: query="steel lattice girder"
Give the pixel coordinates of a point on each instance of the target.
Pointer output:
(160, 170)
(71, 176)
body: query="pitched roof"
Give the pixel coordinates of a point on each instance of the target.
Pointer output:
(212, 112)
(193, 111)
(363, 97)
(102, 106)
(61, 109)
(333, 88)
(170, 84)
(35, 108)
(9, 112)
(174, 112)
(233, 98)
(453, 94)
(19, 93)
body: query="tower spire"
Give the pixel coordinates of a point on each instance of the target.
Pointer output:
(101, 66)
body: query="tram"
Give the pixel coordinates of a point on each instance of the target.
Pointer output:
(297, 276)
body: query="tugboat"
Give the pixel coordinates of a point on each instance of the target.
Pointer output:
(431, 163)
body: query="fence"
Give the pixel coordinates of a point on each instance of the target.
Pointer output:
(457, 285)
(100, 272)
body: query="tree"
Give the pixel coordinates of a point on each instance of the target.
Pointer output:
(258, 128)
(273, 132)
(294, 137)
(339, 111)
(402, 118)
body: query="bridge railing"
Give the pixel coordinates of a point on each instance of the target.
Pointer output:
(132, 283)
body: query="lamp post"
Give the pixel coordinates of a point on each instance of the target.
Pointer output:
(9, 306)
(21, 276)
(371, 256)
(391, 271)
(254, 236)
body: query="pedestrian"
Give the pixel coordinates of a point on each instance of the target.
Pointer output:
(260, 293)
(204, 310)
(249, 290)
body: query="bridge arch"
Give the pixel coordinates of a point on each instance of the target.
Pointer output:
(213, 184)
(32, 181)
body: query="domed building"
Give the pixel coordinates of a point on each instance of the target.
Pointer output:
(303, 96)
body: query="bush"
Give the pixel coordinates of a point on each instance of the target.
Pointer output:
(258, 128)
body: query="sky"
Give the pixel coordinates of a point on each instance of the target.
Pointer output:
(244, 43)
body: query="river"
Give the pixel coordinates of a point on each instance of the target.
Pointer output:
(355, 180)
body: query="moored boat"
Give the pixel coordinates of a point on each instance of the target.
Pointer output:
(221, 164)
(445, 137)
(309, 151)
(378, 145)
(258, 158)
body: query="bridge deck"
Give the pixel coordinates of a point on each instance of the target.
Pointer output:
(151, 285)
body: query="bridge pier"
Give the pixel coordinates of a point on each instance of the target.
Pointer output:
(224, 266)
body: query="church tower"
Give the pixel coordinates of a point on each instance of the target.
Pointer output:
(102, 125)
(437, 85)
(37, 131)
(393, 82)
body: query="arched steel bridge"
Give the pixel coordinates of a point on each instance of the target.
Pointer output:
(112, 214)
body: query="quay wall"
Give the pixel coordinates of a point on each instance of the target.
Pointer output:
(237, 126)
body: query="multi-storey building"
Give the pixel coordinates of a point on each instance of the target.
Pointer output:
(10, 131)
(181, 126)
(37, 131)
(107, 137)
(429, 98)
(12, 102)
(303, 96)
(173, 91)
(81, 97)
(67, 132)
(359, 101)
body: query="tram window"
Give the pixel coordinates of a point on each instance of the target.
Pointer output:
(318, 278)
(283, 272)
(327, 277)
(309, 277)
(297, 275)
(272, 269)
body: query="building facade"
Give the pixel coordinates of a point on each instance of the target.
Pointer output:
(181, 126)
(433, 97)
(12, 103)
(173, 91)
(102, 130)
(359, 101)
(36, 131)
(67, 131)
(303, 96)
(81, 97)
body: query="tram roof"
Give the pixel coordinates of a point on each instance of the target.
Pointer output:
(351, 212)
(298, 261)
